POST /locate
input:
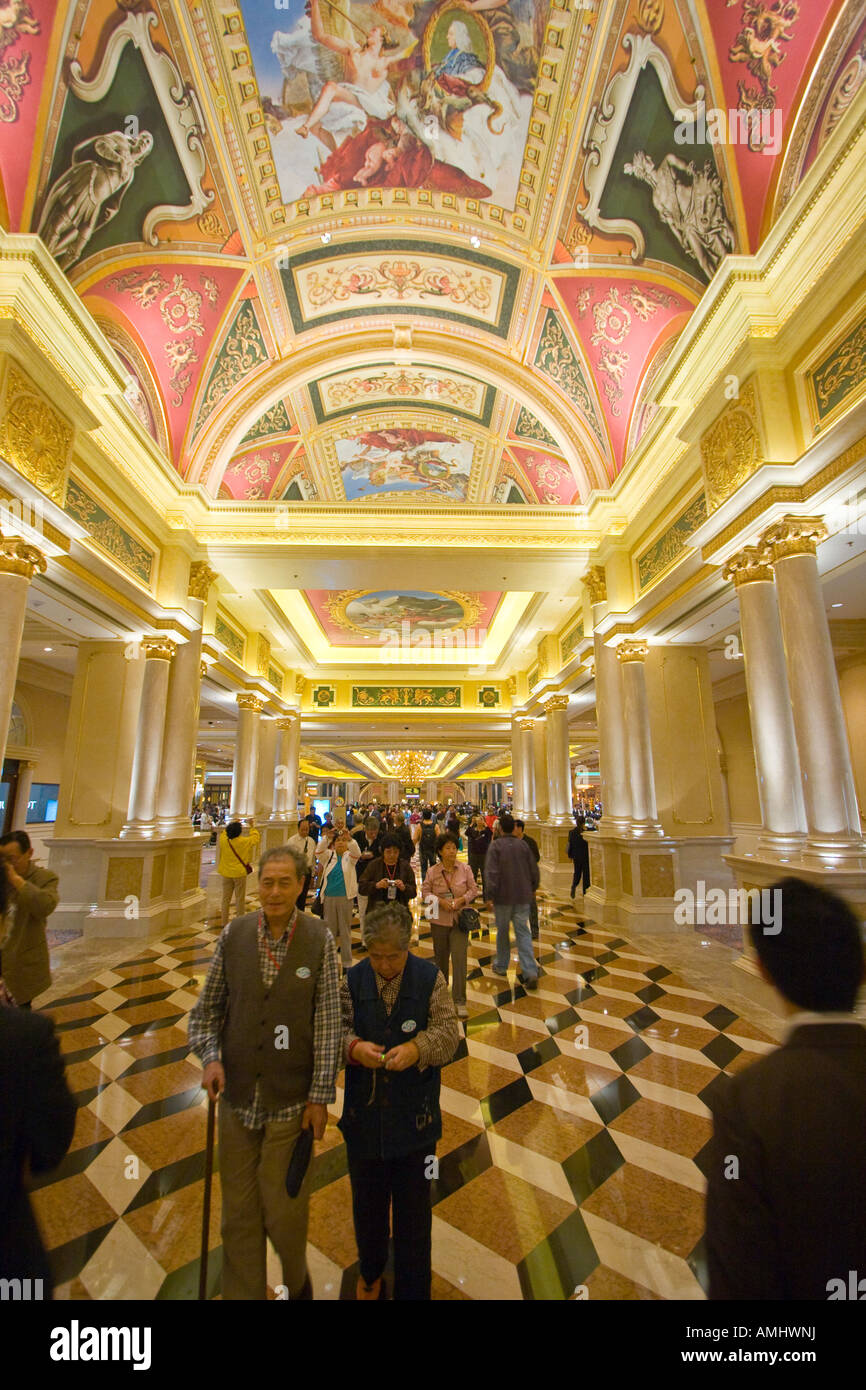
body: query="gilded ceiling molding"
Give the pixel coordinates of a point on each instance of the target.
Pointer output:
(731, 448)
(632, 651)
(248, 701)
(34, 437)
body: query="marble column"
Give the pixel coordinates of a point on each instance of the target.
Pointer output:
(393, 792)
(430, 791)
(246, 761)
(528, 812)
(832, 814)
(638, 739)
(22, 795)
(18, 564)
(517, 770)
(181, 718)
(780, 790)
(286, 768)
(539, 768)
(558, 764)
(141, 821)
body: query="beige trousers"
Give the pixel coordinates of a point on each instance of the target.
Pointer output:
(451, 941)
(232, 886)
(255, 1204)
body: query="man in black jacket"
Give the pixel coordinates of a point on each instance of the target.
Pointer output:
(520, 834)
(37, 1119)
(578, 853)
(786, 1214)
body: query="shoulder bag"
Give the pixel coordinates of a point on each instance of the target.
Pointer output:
(248, 867)
(318, 908)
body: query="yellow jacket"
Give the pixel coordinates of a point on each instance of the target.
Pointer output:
(229, 864)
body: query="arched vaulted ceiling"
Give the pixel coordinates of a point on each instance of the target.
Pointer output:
(403, 250)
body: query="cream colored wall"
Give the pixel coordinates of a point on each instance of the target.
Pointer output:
(735, 732)
(685, 758)
(852, 685)
(47, 714)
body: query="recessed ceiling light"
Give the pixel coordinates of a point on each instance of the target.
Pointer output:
(48, 649)
(835, 605)
(325, 238)
(475, 241)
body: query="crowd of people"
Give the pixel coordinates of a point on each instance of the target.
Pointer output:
(276, 1020)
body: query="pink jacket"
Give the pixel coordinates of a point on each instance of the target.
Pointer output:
(460, 882)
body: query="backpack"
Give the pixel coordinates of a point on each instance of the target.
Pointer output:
(428, 836)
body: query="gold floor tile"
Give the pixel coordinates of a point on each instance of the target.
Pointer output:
(113, 1061)
(68, 1209)
(623, 984)
(81, 1076)
(604, 1004)
(118, 1175)
(664, 1126)
(89, 1129)
(740, 1028)
(682, 1004)
(131, 972)
(148, 1044)
(508, 1037)
(440, 1289)
(455, 1131)
(681, 1034)
(504, 1213)
(653, 1207)
(741, 1062)
(77, 1039)
(159, 1082)
(672, 1071)
(529, 1004)
(474, 1077)
(554, 1133)
(606, 1285)
(65, 1013)
(122, 1268)
(170, 1228)
(145, 1013)
(139, 989)
(571, 1074)
(331, 1228)
(174, 1136)
(598, 1036)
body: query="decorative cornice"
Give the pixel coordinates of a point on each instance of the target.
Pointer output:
(749, 566)
(159, 648)
(17, 557)
(794, 535)
(595, 583)
(632, 651)
(201, 576)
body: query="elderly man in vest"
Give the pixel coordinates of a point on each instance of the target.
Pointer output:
(399, 1029)
(267, 1030)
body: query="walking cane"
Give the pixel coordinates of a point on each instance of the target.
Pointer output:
(205, 1216)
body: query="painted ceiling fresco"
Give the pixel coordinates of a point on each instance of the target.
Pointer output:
(407, 251)
(351, 617)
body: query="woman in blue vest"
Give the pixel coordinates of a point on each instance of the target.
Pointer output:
(399, 1029)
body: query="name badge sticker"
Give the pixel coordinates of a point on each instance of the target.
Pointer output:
(303, 972)
(409, 1025)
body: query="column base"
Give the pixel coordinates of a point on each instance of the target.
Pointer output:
(276, 832)
(127, 887)
(556, 868)
(176, 828)
(638, 880)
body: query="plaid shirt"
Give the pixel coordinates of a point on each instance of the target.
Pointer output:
(208, 1015)
(437, 1043)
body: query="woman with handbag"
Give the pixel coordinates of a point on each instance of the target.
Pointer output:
(234, 863)
(453, 886)
(338, 885)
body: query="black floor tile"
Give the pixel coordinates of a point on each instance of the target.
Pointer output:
(72, 999)
(539, 1053)
(181, 1286)
(649, 993)
(614, 1098)
(158, 1109)
(506, 1101)
(163, 1181)
(155, 1025)
(327, 1167)
(72, 1023)
(720, 1017)
(557, 1022)
(67, 1261)
(69, 1166)
(580, 994)
(460, 1166)
(554, 1269)
(84, 1055)
(159, 1059)
(629, 1053)
(720, 1082)
(658, 972)
(697, 1263)
(592, 1164)
(702, 1158)
(642, 1018)
(721, 1050)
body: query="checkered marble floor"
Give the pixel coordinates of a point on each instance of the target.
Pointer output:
(575, 1125)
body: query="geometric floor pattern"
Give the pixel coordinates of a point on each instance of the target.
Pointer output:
(575, 1126)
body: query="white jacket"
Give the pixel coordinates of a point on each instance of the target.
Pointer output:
(328, 857)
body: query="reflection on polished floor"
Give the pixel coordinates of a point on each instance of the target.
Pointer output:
(568, 1159)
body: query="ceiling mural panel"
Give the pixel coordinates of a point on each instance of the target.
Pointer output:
(25, 42)
(550, 477)
(174, 312)
(276, 420)
(526, 426)
(415, 277)
(396, 94)
(350, 616)
(416, 464)
(556, 358)
(251, 475)
(620, 322)
(243, 350)
(431, 387)
(763, 49)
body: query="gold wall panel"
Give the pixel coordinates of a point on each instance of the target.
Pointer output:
(124, 877)
(656, 876)
(191, 866)
(157, 877)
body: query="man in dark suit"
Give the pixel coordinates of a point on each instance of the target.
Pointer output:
(37, 1118)
(786, 1202)
(578, 853)
(520, 834)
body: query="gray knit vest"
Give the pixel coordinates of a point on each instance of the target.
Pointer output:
(250, 1050)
